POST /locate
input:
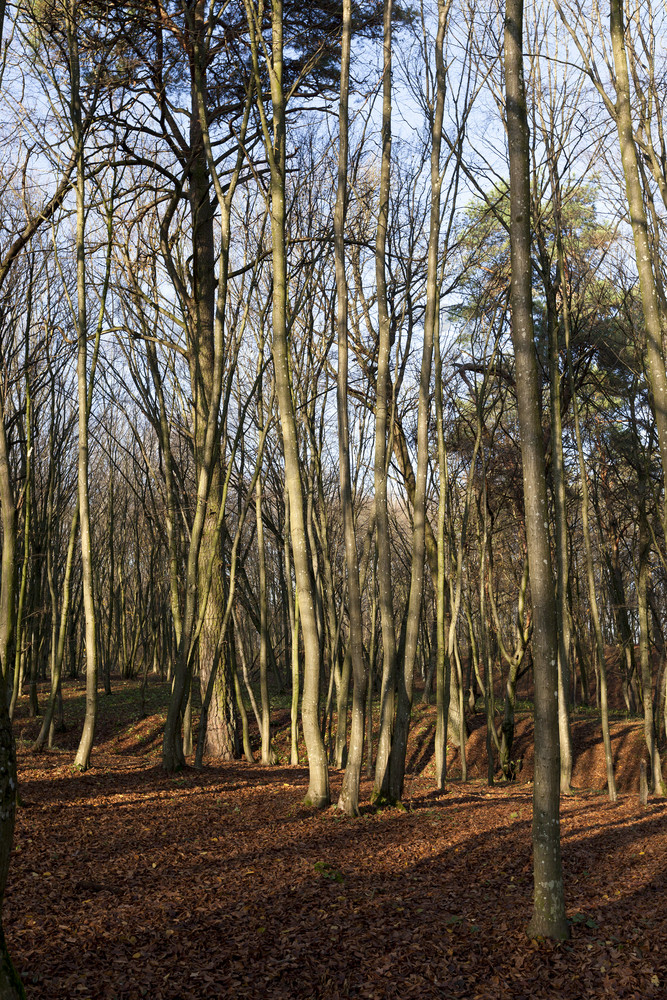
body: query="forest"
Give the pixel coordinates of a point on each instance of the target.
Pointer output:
(333, 509)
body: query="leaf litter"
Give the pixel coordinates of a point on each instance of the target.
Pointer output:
(127, 883)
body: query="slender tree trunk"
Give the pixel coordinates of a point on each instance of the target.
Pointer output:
(10, 984)
(246, 677)
(112, 585)
(402, 457)
(343, 676)
(443, 663)
(274, 141)
(204, 569)
(406, 677)
(82, 759)
(372, 654)
(657, 376)
(655, 769)
(560, 516)
(386, 597)
(240, 706)
(55, 681)
(485, 653)
(221, 740)
(548, 918)
(294, 616)
(443, 660)
(267, 751)
(590, 573)
(27, 507)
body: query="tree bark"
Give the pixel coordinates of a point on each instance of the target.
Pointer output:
(560, 515)
(406, 678)
(386, 597)
(548, 919)
(274, 143)
(349, 796)
(645, 646)
(657, 376)
(82, 759)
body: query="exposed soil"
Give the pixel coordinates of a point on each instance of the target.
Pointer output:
(127, 883)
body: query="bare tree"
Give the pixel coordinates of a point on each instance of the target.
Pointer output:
(548, 918)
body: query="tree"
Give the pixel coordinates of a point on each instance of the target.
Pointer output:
(273, 131)
(349, 798)
(548, 918)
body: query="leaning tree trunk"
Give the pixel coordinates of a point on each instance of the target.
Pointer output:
(548, 918)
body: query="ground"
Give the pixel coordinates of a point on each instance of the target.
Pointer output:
(127, 883)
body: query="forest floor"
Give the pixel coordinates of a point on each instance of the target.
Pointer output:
(127, 883)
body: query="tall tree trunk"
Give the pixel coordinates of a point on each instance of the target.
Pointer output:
(221, 730)
(82, 759)
(112, 584)
(349, 796)
(622, 114)
(274, 142)
(386, 597)
(10, 984)
(548, 918)
(372, 655)
(484, 650)
(588, 551)
(27, 510)
(240, 706)
(655, 769)
(402, 457)
(406, 679)
(294, 617)
(204, 569)
(268, 753)
(560, 517)
(443, 683)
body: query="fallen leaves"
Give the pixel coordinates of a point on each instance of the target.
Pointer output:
(127, 883)
(255, 903)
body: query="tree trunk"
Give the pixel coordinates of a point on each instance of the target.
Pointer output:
(386, 597)
(560, 515)
(294, 718)
(645, 648)
(274, 143)
(548, 918)
(10, 984)
(82, 759)
(657, 376)
(590, 576)
(221, 729)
